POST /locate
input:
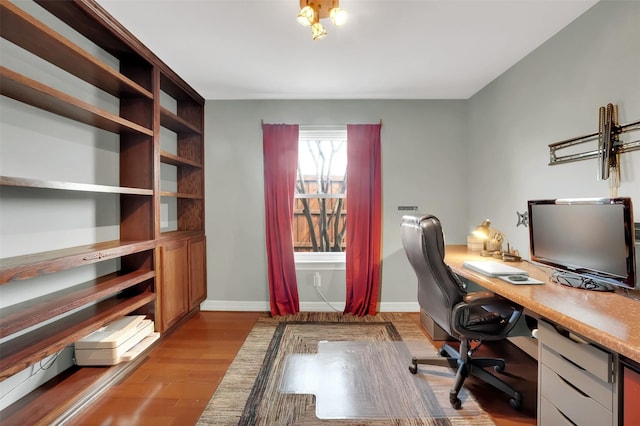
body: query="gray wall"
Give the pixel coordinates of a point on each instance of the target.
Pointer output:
(423, 164)
(551, 95)
(462, 160)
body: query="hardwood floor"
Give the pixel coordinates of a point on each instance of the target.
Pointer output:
(173, 386)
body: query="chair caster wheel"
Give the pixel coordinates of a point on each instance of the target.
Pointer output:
(443, 353)
(515, 403)
(455, 402)
(498, 368)
(413, 368)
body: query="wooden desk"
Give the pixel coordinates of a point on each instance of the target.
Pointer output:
(606, 318)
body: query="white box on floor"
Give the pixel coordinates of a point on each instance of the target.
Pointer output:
(108, 345)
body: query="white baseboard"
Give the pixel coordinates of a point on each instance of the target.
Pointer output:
(226, 305)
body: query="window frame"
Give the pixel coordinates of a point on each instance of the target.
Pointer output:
(321, 260)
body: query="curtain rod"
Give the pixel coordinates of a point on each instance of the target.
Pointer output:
(324, 125)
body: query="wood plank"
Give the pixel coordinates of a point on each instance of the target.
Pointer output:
(192, 217)
(26, 349)
(24, 89)
(30, 34)
(179, 235)
(71, 186)
(175, 160)
(33, 265)
(173, 85)
(180, 195)
(175, 123)
(31, 312)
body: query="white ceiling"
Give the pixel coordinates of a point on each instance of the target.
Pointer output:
(391, 49)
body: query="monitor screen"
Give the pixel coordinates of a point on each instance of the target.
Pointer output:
(591, 237)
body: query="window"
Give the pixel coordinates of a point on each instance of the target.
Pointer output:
(320, 198)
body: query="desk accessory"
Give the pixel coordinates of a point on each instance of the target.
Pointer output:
(492, 239)
(520, 280)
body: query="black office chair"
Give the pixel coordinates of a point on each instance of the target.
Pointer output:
(465, 316)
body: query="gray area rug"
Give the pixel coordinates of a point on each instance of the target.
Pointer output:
(250, 392)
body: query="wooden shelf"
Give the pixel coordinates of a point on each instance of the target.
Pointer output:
(23, 315)
(175, 160)
(24, 350)
(180, 195)
(30, 34)
(175, 123)
(70, 186)
(36, 94)
(33, 265)
(61, 397)
(179, 235)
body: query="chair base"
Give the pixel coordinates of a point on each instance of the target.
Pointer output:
(466, 365)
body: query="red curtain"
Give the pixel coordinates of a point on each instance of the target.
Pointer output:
(364, 218)
(280, 146)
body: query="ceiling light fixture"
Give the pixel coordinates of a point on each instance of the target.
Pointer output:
(312, 11)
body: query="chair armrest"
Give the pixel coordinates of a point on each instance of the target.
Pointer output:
(480, 298)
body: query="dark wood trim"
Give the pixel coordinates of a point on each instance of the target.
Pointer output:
(30, 34)
(24, 350)
(23, 315)
(34, 93)
(176, 123)
(91, 20)
(71, 186)
(34, 265)
(174, 160)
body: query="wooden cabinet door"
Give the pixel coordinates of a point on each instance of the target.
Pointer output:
(197, 271)
(173, 287)
(631, 395)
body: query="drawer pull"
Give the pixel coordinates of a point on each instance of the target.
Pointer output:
(572, 386)
(566, 418)
(572, 363)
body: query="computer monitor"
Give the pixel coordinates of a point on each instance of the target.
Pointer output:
(591, 240)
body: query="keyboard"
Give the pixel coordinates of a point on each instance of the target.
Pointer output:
(493, 269)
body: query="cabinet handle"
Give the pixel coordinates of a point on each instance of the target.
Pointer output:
(565, 417)
(572, 363)
(99, 255)
(569, 384)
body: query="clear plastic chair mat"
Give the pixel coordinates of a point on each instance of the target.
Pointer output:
(371, 380)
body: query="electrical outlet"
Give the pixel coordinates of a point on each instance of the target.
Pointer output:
(317, 281)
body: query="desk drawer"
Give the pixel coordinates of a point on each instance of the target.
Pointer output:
(588, 384)
(583, 354)
(573, 404)
(549, 415)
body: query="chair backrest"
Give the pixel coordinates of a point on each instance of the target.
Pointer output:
(439, 290)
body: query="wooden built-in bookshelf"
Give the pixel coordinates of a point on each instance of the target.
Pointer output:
(152, 267)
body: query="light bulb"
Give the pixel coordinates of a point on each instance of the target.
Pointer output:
(317, 31)
(306, 16)
(338, 16)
